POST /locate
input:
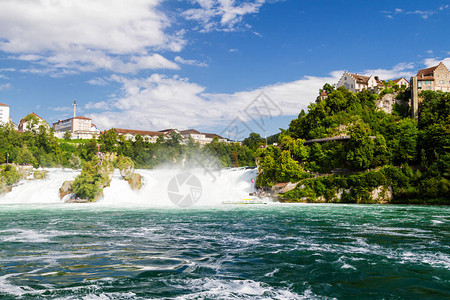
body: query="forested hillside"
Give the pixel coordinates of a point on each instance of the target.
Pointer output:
(385, 158)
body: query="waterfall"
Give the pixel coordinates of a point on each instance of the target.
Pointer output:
(163, 187)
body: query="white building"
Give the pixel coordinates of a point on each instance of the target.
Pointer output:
(32, 122)
(401, 81)
(130, 134)
(357, 83)
(201, 138)
(80, 128)
(4, 114)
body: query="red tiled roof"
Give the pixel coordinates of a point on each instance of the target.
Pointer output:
(80, 117)
(212, 135)
(23, 119)
(360, 78)
(398, 79)
(134, 132)
(1, 104)
(323, 93)
(425, 78)
(426, 72)
(190, 131)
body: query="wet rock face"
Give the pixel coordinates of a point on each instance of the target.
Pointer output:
(126, 167)
(135, 181)
(65, 189)
(41, 174)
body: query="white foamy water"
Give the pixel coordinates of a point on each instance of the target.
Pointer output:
(40, 191)
(214, 187)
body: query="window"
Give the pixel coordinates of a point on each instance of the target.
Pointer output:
(345, 78)
(351, 85)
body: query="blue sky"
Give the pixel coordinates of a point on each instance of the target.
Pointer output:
(202, 63)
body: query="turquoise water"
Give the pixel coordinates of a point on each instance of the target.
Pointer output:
(228, 252)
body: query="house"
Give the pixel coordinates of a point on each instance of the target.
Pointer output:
(32, 122)
(130, 134)
(201, 138)
(435, 78)
(401, 81)
(323, 95)
(4, 114)
(357, 83)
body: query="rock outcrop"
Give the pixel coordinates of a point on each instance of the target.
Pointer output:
(65, 189)
(95, 176)
(126, 167)
(40, 174)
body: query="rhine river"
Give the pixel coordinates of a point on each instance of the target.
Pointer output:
(276, 251)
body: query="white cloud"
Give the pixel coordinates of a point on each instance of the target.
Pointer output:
(431, 62)
(424, 14)
(5, 86)
(429, 51)
(221, 15)
(399, 70)
(233, 50)
(191, 62)
(159, 102)
(86, 35)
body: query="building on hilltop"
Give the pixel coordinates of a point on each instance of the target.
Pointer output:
(357, 83)
(401, 81)
(32, 122)
(435, 78)
(201, 138)
(4, 114)
(149, 136)
(79, 127)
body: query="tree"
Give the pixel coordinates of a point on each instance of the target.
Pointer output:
(67, 135)
(254, 141)
(361, 147)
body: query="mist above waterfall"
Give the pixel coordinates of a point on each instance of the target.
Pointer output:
(212, 187)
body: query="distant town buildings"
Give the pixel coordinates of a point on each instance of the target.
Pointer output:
(201, 138)
(130, 134)
(4, 114)
(152, 136)
(32, 122)
(358, 83)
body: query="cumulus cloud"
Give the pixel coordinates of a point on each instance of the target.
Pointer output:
(399, 70)
(431, 62)
(159, 102)
(221, 15)
(88, 35)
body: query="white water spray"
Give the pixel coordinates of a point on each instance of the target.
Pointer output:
(215, 187)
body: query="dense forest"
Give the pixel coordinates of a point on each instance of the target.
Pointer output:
(390, 153)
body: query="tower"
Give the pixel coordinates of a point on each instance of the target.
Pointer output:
(74, 108)
(414, 99)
